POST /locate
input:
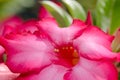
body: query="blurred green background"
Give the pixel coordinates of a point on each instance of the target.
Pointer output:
(24, 8)
(105, 12)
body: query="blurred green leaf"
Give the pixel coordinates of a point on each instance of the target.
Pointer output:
(4, 57)
(103, 13)
(88, 4)
(116, 42)
(10, 7)
(115, 21)
(62, 17)
(75, 9)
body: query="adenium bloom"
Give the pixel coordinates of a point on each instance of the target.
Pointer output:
(77, 52)
(12, 25)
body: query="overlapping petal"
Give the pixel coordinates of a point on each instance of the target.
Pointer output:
(6, 74)
(89, 21)
(61, 35)
(43, 13)
(10, 25)
(1, 53)
(29, 26)
(52, 72)
(92, 70)
(95, 44)
(1, 50)
(25, 52)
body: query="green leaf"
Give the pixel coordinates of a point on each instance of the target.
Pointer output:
(116, 42)
(115, 23)
(75, 9)
(88, 4)
(11, 7)
(108, 15)
(103, 13)
(62, 17)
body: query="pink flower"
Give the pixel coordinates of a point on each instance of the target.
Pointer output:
(6, 27)
(12, 25)
(78, 52)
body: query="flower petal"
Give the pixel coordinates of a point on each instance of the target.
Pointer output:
(6, 74)
(25, 52)
(1, 49)
(61, 35)
(92, 70)
(89, 21)
(10, 25)
(94, 44)
(43, 13)
(29, 26)
(52, 72)
(1, 53)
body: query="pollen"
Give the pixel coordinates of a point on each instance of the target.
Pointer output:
(56, 50)
(75, 54)
(71, 47)
(75, 61)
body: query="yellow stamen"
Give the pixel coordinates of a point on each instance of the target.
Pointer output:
(75, 54)
(71, 47)
(75, 61)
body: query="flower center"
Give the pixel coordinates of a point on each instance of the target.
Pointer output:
(67, 56)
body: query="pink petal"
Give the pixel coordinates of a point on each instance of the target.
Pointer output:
(25, 52)
(92, 70)
(94, 44)
(6, 74)
(89, 19)
(1, 53)
(52, 72)
(79, 74)
(1, 49)
(29, 26)
(43, 13)
(10, 25)
(103, 69)
(61, 35)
